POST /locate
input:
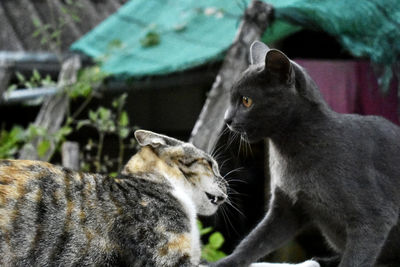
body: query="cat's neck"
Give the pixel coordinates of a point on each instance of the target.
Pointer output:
(146, 161)
(310, 121)
(306, 131)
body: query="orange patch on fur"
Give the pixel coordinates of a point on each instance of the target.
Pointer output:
(180, 243)
(146, 161)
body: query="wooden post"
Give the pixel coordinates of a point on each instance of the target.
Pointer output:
(211, 120)
(5, 75)
(53, 110)
(70, 155)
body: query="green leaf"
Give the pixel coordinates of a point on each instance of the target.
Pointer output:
(113, 174)
(123, 119)
(105, 114)
(115, 43)
(36, 75)
(20, 77)
(152, 38)
(62, 133)
(36, 22)
(11, 141)
(75, 17)
(36, 33)
(82, 123)
(55, 34)
(199, 225)
(210, 254)
(123, 133)
(205, 231)
(43, 147)
(216, 240)
(92, 115)
(11, 88)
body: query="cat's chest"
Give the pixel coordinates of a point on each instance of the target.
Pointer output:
(283, 175)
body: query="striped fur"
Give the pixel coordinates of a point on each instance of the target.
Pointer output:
(52, 216)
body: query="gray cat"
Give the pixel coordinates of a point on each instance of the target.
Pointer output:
(338, 172)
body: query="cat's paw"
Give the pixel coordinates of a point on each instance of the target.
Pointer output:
(309, 263)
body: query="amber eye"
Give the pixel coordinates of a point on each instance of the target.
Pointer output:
(247, 101)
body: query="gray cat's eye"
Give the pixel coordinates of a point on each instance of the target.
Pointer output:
(247, 101)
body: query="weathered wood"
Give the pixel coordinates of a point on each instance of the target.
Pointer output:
(53, 110)
(5, 76)
(211, 120)
(70, 155)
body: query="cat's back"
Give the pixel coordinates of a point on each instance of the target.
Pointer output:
(365, 151)
(50, 215)
(372, 135)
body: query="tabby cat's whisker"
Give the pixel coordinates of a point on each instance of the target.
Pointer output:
(233, 171)
(231, 204)
(227, 221)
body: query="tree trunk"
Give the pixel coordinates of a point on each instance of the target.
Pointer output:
(211, 120)
(52, 112)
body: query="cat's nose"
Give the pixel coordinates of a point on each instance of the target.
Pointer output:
(228, 121)
(228, 117)
(216, 200)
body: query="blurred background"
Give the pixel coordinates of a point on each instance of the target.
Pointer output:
(77, 77)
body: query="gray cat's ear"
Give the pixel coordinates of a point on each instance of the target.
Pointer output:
(258, 50)
(278, 63)
(145, 138)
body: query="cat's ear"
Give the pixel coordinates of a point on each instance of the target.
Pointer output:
(145, 138)
(278, 63)
(258, 50)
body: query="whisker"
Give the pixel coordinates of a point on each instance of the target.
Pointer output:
(228, 223)
(235, 208)
(233, 171)
(233, 181)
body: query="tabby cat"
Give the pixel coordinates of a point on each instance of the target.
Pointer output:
(339, 172)
(52, 216)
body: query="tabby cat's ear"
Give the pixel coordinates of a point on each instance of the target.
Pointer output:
(258, 50)
(145, 138)
(278, 63)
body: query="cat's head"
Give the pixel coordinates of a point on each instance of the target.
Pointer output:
(264, 98)
(186, 166)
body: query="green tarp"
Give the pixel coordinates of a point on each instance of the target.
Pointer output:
(151, 37)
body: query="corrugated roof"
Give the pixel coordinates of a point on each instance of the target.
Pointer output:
(180, 34)
(17, 27)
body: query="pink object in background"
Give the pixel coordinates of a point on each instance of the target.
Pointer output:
(352, 87)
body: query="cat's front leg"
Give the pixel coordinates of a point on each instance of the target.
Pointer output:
(364, 243)
(279, 225)
(309, 263)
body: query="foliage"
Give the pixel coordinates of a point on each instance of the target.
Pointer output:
(10, 141)
(108, 121)
(36, 80)
(89, 78)
(211, 251)
(51, 33)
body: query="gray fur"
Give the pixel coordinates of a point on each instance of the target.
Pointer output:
(338, 172)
